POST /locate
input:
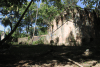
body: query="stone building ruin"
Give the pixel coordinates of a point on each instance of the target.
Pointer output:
(2, 35)
(69, 29)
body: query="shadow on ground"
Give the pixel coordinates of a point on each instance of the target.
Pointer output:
(20, 55)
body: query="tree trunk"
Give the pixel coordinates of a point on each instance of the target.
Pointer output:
(31, 25)
(11, 26)
(27, 29)
(31, 30)
(8, 36)
(35, 22)
(28, 26)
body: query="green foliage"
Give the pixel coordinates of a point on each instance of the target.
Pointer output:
(7, 33)
(0, 32)
(16, 34)
(28, 37)
(90, 3)
(5, 22)
(9, 3)
(47, 12)
(22, 35)
(40, 41)
(42, 30)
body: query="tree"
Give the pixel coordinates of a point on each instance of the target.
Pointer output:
(9, 3)
(29, 18)
(90, 3)
(16, 25)
(46, 14)
(5, 22)
(35, 22)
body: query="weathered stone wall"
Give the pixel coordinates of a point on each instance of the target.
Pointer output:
(29, 41)
(24, 39)
(2, 35)
(62, 35)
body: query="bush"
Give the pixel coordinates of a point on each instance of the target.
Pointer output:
(40, 41)
(28, 38)
(37, 42)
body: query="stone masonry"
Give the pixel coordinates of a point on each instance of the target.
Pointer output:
(61, 30)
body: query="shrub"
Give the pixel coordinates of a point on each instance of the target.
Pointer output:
(40, 41)
(28, 38)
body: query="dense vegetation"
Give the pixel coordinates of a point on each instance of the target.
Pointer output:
(34, 19)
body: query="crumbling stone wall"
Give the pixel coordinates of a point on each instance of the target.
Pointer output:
(25, 39)
(2, 35)
(75, 27)
(29, 41)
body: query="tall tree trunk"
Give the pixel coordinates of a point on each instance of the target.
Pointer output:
(31, 30)
(31, 24)
(11, 26)
(35, 22)
(27, 29)
(8, 36)
(28, 26)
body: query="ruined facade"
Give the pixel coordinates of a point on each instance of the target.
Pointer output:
(2, 36)
(69, 29)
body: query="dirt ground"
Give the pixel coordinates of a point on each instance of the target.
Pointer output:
(48, 56)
